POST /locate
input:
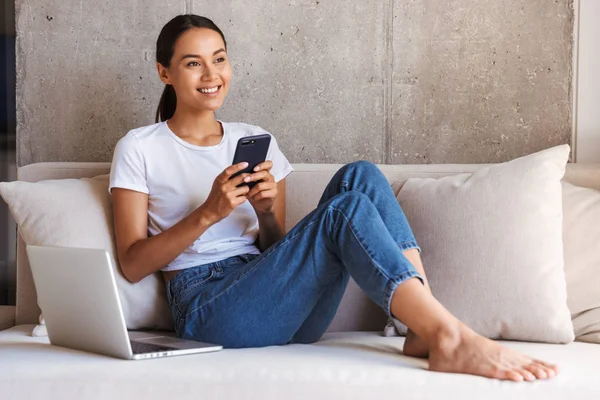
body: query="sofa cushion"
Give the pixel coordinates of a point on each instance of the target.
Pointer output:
(349, 365)
(581, 235)
(77, 213)
(492, 246)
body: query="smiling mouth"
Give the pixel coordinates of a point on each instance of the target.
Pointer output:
(211, 90)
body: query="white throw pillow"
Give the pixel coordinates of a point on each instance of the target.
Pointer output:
(78, 213)
(492, 245)
(581, 236)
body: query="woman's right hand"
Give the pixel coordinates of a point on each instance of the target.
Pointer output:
(225, 196)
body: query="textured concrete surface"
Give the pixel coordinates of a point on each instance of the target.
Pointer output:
(479, 81)
(310, 72)
(85, 75)
(419, 81)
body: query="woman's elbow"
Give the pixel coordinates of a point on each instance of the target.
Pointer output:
(128, 272)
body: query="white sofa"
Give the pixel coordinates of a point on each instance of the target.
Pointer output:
(353, 360)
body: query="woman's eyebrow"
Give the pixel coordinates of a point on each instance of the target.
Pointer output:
(197, 56)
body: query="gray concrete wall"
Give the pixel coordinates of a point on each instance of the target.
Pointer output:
(419, 81)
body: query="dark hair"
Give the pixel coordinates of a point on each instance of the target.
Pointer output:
(165, 46)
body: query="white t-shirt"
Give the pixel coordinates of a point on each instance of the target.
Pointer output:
(178, 176)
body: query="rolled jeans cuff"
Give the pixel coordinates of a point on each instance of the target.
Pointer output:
(411, 244)
(393, 285)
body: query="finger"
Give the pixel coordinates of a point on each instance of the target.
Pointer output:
(234, 200)
(257, 176)
(239, 200)
(265, 194)
(231, 184)
(240, 192)
(259, 187)
(266, 165)
(232, 169)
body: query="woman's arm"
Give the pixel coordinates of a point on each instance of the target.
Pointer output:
(272, 225)
(139, 255)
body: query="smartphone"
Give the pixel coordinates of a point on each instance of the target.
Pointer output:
(253, 150)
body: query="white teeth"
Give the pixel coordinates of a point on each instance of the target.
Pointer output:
(211, 90)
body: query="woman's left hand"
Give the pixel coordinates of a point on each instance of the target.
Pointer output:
(262, 195)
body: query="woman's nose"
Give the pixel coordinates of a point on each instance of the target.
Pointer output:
(209, 73)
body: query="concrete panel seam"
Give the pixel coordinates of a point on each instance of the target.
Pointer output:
(575, 79)
(21, 71)
(388, 69)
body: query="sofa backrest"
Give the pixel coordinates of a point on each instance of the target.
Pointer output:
(303, 190)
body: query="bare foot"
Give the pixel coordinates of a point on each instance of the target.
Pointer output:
(465, 352)
(415, 346)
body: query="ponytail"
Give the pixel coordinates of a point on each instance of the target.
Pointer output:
(167, 104)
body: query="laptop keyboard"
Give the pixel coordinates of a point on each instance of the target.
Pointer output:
(143, 348)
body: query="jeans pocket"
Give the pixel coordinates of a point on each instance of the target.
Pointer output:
(191, 286)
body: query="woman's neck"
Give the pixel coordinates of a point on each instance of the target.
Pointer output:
(199, 128)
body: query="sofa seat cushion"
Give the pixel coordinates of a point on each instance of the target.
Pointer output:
(347, 365)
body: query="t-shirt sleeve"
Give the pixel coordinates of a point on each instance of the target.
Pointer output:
(281, 166)
(127, 170)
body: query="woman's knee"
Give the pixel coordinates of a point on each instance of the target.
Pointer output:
(362, 165)
(351, 198)
(362, 171)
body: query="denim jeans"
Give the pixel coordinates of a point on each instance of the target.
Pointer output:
(290, 292)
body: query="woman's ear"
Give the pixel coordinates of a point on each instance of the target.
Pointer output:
(163, 74)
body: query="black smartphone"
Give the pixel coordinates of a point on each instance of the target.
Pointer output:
(253, 150)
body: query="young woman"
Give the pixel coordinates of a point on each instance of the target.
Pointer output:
(233, 276)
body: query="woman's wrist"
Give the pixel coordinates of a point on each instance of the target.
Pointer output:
(265, 214)
(204, 218)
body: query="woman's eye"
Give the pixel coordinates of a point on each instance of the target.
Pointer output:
(193, 64)
(220, 60)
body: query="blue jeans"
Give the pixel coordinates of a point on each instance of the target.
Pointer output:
(290, 292)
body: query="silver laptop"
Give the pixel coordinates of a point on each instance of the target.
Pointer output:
(77, 292)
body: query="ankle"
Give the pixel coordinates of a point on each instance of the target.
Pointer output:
(449, 336)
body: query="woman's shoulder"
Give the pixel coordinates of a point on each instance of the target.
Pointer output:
(137, 139)
(241, 129)
(137, 135)
(144, 131)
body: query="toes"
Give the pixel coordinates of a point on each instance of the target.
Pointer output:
(550, 369)
(537, 370)
(513, 376)
(550, 373)
(527, 375)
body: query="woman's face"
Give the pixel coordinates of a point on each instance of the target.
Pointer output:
(200, 71)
